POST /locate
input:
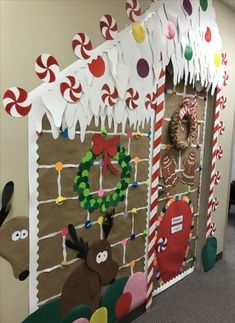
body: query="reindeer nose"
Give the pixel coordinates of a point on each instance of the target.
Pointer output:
(23, 275)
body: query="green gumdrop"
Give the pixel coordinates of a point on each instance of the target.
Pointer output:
(48, 313)
(103, 208)
(111, 295)
(204, 4)
(82, 185)
(85, 173)
(76, 313)
(119, 185)
(188, 52)
(86, 192)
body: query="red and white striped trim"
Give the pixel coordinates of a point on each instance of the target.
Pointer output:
(213, 166)
(159, 117)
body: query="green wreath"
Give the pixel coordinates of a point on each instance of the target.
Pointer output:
(91, 202)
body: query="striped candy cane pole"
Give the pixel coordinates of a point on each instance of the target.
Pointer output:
(159, 117)
(213, 166)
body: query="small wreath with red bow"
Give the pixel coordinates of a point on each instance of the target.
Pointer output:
(187, 111)
(110, 148)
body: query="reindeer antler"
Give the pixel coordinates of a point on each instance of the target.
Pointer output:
(78, 244)
(108, 223)
(6, 197)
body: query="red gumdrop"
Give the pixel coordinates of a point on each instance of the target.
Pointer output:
(123, 305)
(97, 67)
(208, 35)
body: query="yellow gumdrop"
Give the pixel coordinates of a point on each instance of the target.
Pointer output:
(132, 264)
(59, 200)
(138, 31)
(136, 160)
(100, 316)
(134, 211)
(138, 134)
(100, 220)
(217, 60)
(59, 166)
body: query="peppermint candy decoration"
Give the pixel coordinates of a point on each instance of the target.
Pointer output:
(217, 177)
(82, 46)
(221, 127)
(71, 89)
(47, 68)
(132, 99)
(223, 102)
(108, 27)
(133, 9)
(224, 59)
(150, 100)
(219, 152)
(161, 245)
(17, 102)
(109, 96)
(214, 204)
(225, 78)
(212, 229)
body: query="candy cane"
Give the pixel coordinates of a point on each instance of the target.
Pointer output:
(71, 89)
(221, 127)
(150, 100)
(224, 59)
(223, 102)
(211, 201)
(109, 97)
(159, 117)
(108, 27)
(217, 178)
(17, 102)
(219, 153)
(82, 45)
(132, 99)
(133, 9)
(225, 78)
(47, 68)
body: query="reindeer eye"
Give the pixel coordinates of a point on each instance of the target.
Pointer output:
(99, 257)
(15, 236)
(24, 234)
(104, 256)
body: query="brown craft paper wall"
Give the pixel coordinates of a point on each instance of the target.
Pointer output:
(53, 218)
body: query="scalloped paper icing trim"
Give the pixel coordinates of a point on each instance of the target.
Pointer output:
(173, 281)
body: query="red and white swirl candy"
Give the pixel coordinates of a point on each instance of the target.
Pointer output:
(133, 9)
(225, 78)
(109, 96)
(82, 46)
(150, 100)
(17, 102)
(212, 228)
(161, 245)
(132, 98)
(223, 102)
(224, 59)
(217, 177)
(221, 127)
(47, 68)
(214, 204)
(108, 27)
(71, 89)
(219, 152)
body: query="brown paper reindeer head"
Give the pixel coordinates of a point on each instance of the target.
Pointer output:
(84, 284)
(14, 241)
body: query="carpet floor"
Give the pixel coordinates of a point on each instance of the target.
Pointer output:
(200, 297)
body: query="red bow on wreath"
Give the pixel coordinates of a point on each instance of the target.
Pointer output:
(109, 149)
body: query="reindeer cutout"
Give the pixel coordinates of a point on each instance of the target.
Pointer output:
(84, 284)
(14, 241)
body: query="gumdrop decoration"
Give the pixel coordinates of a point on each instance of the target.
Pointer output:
(188, 52)
(204, 4)
(138, 32)
(187, 7)
(208, 34)
(170, 30)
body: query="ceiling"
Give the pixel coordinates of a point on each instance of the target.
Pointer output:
(230, 3)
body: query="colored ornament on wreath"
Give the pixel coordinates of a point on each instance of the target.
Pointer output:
(187, 110)
(109, 148)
